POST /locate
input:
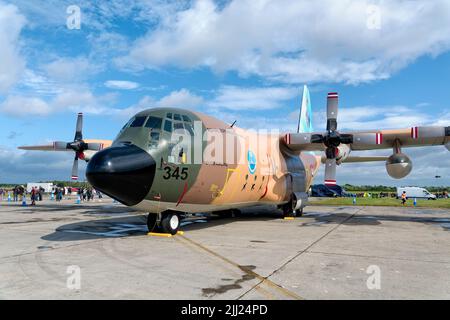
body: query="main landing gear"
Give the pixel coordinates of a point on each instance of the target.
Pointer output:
(169, 222)
(289, 209)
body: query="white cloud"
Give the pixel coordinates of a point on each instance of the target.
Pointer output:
(69, 99)
(240, 98)
(11, 63)
(177, 99)
(69, 69)
(181, 99)
(381, 117)
(296, 41)
(121, 84)
(24, 106)
(81, 99)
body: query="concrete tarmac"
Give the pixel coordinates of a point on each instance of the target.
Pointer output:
(101, 250)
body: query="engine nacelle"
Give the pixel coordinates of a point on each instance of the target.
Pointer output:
(398, 165)
(88, 154)
(343, 153)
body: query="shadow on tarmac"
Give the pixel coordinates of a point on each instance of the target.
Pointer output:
(135, 225)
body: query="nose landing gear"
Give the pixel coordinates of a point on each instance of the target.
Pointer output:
(169, 222)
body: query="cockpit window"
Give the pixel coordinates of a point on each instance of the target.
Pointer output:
(178, 125)
(169, 115)
(186, 118)
(128, 123)
(176, 116)
(168, 126)
(138, 122)
(153, 122)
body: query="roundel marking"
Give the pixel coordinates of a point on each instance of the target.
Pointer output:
(251, 159)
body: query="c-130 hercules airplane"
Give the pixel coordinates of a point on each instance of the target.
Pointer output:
(170, 162)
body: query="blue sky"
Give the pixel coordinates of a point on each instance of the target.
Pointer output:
(241, 60)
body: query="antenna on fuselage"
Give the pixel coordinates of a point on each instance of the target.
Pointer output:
(233, 124)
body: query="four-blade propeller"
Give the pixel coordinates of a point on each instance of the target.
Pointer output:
(77, 145)
(332, 139)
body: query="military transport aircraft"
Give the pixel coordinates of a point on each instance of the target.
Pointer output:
(170, 162)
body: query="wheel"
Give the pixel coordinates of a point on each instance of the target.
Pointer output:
(288, 211)
(151, 222)
(170, 222)
(300, 212)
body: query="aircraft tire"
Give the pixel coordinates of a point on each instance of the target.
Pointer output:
(288, 211)
(170, 222)
(151, 222)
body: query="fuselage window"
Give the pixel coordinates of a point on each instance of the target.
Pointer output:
(168, 126)
(154, 122)
(169, 115)
(138, 122)
(186, 118)
(176, 116)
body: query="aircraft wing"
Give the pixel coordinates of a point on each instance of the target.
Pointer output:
(372, 140)
(410, 137)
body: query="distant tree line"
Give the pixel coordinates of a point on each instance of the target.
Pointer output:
(381, 188)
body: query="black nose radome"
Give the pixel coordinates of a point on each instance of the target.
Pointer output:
(124, 173)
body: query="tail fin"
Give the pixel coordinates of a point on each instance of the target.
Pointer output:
(305, 118)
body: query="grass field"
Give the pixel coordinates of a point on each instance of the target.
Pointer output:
(391, 202)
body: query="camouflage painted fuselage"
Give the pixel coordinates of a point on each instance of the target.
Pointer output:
(211, 183)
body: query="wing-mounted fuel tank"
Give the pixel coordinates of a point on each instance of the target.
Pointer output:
(398, 165)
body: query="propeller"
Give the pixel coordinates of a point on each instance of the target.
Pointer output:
(332, 139)
(77, 145)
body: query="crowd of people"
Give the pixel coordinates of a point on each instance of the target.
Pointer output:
(87, 194)
(58, 193)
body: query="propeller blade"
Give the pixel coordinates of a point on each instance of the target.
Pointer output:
(94, 146)
(61, 145)
(75, 168)
(79, 127)
(332, 111)
(330, 172)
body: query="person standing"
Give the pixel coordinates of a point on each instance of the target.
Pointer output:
(404, 198)
(16, 193)
(33, 196)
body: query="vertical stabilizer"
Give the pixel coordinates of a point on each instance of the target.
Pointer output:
(305, 118)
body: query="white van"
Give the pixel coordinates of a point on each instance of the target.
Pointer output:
(415, 192)
(47, 186)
